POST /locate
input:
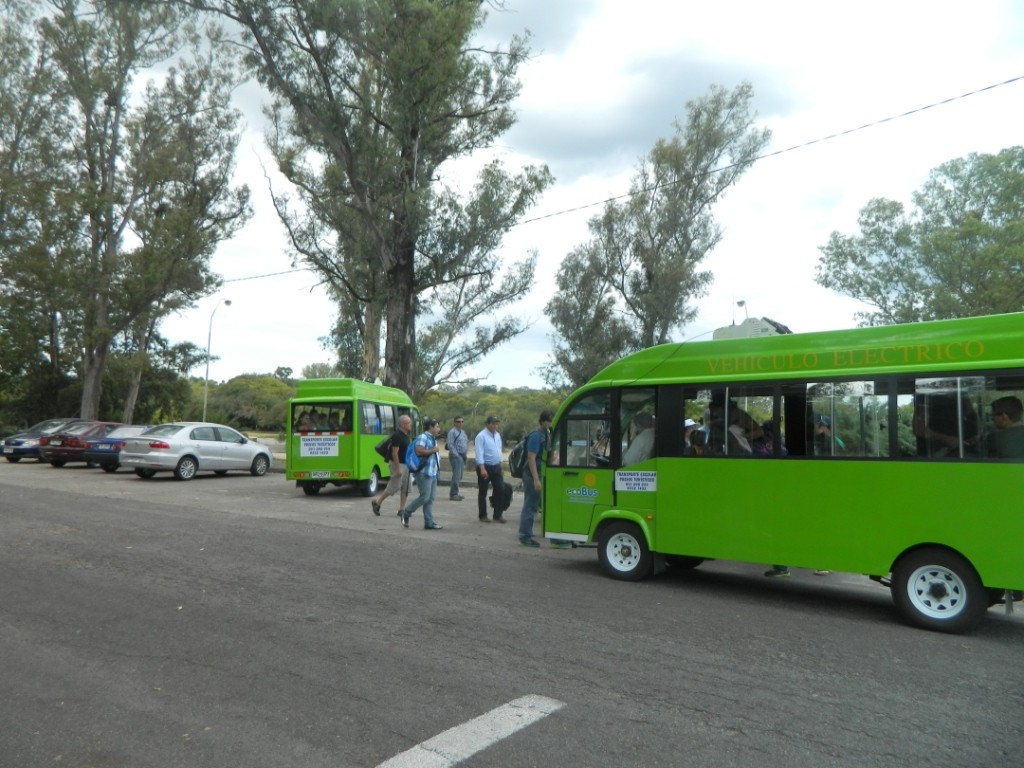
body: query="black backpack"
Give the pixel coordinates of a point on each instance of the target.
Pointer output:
(517, 459)
(384, 448)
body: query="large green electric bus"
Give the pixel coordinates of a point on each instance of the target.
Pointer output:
(888, 451)
(334, 426)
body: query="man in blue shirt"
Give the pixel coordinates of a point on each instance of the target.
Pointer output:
(536, 442)
(426, 449)
(458, 449)
(488, 467)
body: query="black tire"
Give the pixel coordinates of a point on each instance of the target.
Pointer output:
(186, 469)
(260, 465)
(939, 590)
(13, 459)
(57, 463)
(311, 489)
(109, 467)
(145, 474)
(220, 472)
(369, 486)
(623, 552)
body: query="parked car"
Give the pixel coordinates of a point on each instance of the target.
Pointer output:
(105, 452)
(68, 443)
(185, 448)
(25, 445)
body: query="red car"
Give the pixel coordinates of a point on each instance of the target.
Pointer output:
(69, 444)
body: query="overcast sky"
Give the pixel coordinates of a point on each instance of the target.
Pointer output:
(607, 80)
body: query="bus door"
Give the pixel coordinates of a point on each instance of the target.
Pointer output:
(578, 478)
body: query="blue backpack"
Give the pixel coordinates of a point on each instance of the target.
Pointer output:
(412, 461)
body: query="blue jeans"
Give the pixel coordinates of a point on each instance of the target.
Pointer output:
(457, 463)
(531, 505)
(427, 486)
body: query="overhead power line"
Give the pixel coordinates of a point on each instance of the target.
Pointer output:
(795, 147)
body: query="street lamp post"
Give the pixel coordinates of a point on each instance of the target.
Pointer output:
(209, 337)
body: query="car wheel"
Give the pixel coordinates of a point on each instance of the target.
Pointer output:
(145, 474)
(623, 552)
(186, 469)
(109, 467)
(260, 465)
(369, 486)
(57, 463)
(938, 589)
(13, 459)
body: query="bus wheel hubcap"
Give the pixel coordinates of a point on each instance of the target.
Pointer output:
(936, 591)
(623, 552)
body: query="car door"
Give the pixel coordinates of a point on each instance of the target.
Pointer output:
(235, 447)
(208, 449)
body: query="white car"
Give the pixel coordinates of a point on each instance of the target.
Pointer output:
(185, 448)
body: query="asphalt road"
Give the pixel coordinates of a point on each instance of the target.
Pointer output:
(233, 621)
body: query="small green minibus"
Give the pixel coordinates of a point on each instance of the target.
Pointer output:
(333, 427)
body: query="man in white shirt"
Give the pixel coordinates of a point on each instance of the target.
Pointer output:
(488, 467)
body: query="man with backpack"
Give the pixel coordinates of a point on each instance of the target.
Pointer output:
(425, 466)
(536, 442)
(399, 482)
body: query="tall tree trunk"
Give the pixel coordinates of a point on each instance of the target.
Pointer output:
(94, 363)
(134, 382)
(400, 349)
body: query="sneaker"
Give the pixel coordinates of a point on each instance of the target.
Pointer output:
(777, 573)
(376, 508)
(500, 520)
(432, 527)
(822, 572)
(485, 519)
(560, 544)
(405, 520)
(456, 498)
(529, 543)
(400, 512)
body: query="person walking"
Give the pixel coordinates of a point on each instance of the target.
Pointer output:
(536, 443)
(427, 450)
(458, 449)
(488, 467)
(399, 482)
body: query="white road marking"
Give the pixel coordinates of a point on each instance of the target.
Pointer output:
(463, 741)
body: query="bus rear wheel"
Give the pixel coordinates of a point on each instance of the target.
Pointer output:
(624, 553)
(311, 489)
(370, 485)
(939, 590)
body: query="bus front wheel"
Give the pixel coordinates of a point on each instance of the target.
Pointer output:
(939, 590)
(371, 484)
(624, 553)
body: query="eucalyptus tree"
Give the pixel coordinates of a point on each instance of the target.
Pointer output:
(643, 260)
(959, 252)
(137, 178)
(371, 99)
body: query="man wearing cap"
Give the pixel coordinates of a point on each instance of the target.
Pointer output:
(688, 426)
(488, 466)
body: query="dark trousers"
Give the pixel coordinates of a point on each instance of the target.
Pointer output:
(494, 479)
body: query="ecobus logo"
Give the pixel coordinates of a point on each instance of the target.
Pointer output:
(581, 494)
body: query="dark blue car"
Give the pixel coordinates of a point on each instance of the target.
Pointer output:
(25, 445)
(106, 451)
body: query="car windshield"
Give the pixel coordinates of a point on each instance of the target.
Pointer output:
(128, 431)
(47, 426)
(79, 428)
(165, 430)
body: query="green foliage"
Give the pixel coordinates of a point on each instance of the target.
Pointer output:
(631, 285)
(250, 402)
(518, 408)
(372, 98)
(958, 253)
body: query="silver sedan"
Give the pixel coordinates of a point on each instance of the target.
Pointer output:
(185, 448)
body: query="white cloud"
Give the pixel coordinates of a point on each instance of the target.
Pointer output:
(609, 79)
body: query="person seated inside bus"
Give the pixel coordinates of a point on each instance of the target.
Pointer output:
(825, 443)
(642, 445)
(1007, 441)
(332, 421)
(743, 430)
(764, 444)
(689, 428)
(940, 423)
(303, 424)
